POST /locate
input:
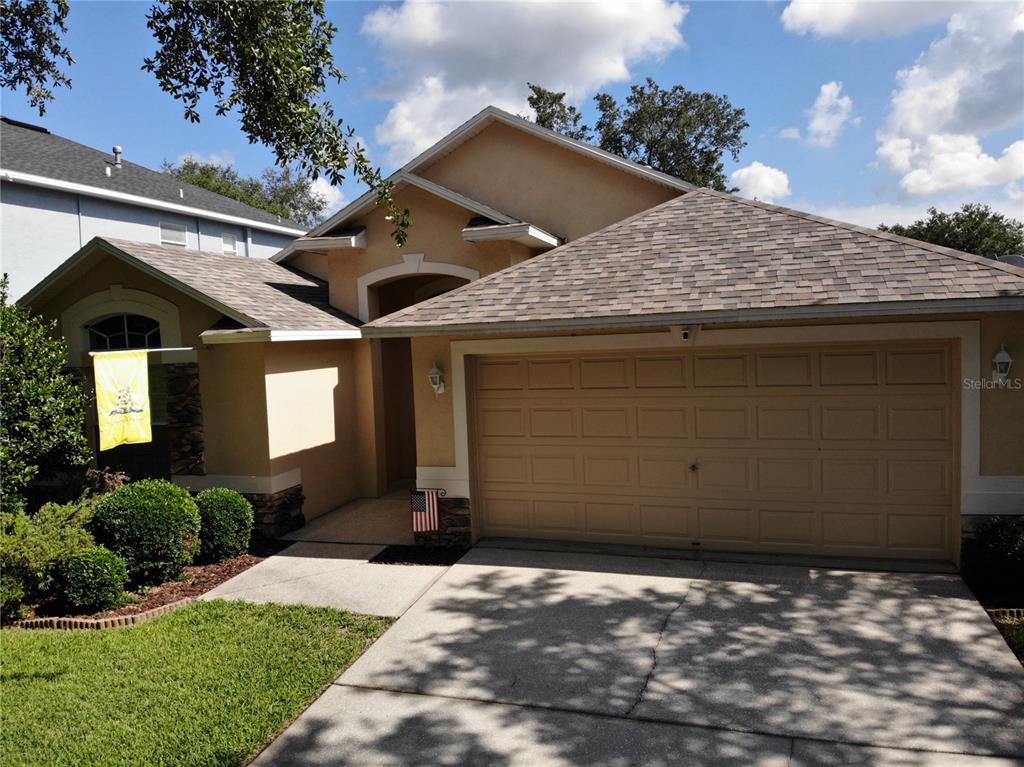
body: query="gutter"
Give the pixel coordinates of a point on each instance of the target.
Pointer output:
(16, 177)
(770, 314)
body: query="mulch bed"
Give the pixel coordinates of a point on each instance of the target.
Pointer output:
(418, 555)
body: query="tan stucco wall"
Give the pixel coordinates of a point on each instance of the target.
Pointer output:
(435, 427)
(310, 398)
(1002, 410)
(96, 276)
(436, 233)
(234, 410)
(311, 263)
(550, 186)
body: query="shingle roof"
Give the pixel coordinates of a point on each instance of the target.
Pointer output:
(252, 291)
(710, 254)
(41, 153)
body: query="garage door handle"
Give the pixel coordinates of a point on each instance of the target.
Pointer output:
(694, 466)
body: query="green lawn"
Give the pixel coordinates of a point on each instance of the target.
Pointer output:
(206, 685)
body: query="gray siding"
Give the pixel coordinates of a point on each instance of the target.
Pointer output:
(41, 228)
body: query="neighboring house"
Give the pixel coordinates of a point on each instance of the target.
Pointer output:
(689, 369)
(72, 193)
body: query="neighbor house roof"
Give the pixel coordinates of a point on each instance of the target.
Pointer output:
(267, 301)
(708, 256)
(462, 134)
(31, 154)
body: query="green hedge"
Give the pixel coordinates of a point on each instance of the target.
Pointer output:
(153, 525)
(92, 579)
(226, 524)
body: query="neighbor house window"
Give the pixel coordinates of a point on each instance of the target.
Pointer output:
(228, 244)
(124, 331)
(173, 234)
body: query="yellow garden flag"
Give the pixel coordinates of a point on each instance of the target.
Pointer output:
(122, 398)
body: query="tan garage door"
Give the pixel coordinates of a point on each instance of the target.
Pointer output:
(795, 449)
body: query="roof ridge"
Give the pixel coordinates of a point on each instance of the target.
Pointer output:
(1017, 271)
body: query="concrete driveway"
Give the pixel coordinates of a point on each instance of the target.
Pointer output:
(519, 657)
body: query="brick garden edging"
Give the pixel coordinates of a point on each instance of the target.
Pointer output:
(1007, 614)
(113, 621)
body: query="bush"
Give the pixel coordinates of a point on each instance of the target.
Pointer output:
(30, 546)
(153, 525)
(226, 523)
(42, 432)
(999, 546)
(12, 595)
(92, 579)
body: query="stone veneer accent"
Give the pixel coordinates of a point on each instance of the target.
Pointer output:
(454, 526)
(185, 419)
(277, 513)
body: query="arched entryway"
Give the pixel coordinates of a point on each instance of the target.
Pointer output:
(398, 377)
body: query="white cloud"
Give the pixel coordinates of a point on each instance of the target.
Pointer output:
(761, 182)
(873, 214)
(968, 83)
(790, 133)
(225, 158)
(452, 59)
(334, 196)
(863, 18)
(828, 115)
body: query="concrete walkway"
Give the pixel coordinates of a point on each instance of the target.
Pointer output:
(331, 575)
(385, 520)
(519, 657)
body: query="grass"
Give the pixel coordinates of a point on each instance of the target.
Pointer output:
(209, 684)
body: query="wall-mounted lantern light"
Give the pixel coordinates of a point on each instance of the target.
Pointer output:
(436, 378)
(1002, 363)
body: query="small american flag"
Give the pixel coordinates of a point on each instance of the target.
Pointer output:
(424, 510)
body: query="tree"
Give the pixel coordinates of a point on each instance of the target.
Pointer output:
(552, 112)
(268, 61)
(280, 191)
(975, 228)
(675, 131)
(43, 426)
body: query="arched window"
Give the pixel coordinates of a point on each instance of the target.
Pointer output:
(124, 331)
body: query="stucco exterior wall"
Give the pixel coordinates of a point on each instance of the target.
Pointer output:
(41, 228)
(310, 402)
(1002, 410)
(435, 426)
(231, 380)
(436, 233)
(550, 186)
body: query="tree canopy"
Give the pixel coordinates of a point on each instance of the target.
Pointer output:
(280, 191)
(676, 131)
(975, 228)
(268, 62)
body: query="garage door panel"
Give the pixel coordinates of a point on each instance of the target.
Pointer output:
(838, 451)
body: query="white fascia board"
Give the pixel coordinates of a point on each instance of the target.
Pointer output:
(17, 177)
(527, 234)
(321, 244)
(266, 335)
(786, 314)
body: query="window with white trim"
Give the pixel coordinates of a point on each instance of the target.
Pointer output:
(173, 234)
(229, 244)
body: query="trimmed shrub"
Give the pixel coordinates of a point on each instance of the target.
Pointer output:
(92, 579)
(226, 524)
(31, 545)
(152, 525)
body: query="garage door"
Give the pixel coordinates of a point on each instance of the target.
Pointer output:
(845, 451)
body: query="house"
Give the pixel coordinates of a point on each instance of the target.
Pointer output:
(74, 193)
(576, 347)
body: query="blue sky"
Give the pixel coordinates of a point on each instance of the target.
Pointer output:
(866, 111)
